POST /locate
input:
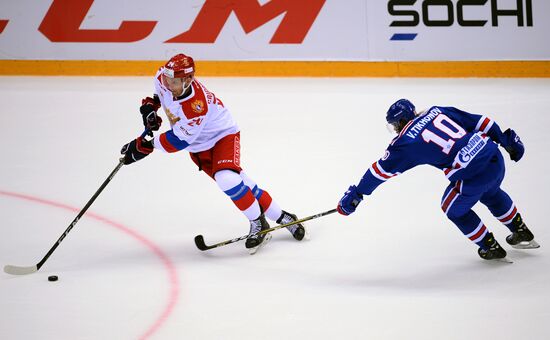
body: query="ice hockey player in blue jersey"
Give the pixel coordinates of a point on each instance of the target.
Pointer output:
(465, 147)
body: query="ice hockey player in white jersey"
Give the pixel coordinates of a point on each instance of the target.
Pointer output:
(465, 147)
(201, 124)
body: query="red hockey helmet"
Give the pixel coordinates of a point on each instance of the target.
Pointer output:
(179, 66)
(178, 74)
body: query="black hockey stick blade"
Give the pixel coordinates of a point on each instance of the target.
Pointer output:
(199, 239)
(199, 242)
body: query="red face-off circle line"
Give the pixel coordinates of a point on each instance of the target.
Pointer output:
(169, 266)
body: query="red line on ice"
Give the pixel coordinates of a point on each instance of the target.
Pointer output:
(171, 269)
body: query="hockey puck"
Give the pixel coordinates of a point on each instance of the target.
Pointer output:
(52, 278)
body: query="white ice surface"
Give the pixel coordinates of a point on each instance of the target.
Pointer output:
(397, 269)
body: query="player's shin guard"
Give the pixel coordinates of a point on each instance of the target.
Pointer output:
(501, 206)
(474, 229)
(508, 218)
(270, 208)
(233, 186)
(469, 224)
(478, 235)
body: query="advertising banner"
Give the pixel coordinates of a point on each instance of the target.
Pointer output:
(431, 30)
(290, 30)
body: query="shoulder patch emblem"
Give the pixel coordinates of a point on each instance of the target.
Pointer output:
(171, 117)
(197, 106)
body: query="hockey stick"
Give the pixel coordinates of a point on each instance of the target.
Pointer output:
(199, 239)
(17, 270)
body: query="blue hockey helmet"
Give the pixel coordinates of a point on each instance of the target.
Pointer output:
(402, 109)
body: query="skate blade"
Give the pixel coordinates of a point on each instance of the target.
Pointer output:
(306, 235)
(504, 259)
(527, 245)
(253, 251)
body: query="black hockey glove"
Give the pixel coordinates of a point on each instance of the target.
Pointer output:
(137, 149)
(148, 109)
(513, 145)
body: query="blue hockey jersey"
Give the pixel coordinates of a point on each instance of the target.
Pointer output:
(457, 142)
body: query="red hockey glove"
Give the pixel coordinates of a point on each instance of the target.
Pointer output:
(148, 110)
(137, 149)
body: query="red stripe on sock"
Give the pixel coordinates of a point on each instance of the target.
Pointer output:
(479, 233)
(265, 200)
(246, 201)
(509, 217)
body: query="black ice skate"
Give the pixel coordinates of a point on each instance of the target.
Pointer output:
(494, 250)
(297, 230)
(522, 238)
(254, 241)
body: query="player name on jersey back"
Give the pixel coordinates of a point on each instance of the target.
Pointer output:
(414, 130)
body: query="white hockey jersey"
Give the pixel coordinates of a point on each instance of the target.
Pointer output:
(197, 122)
